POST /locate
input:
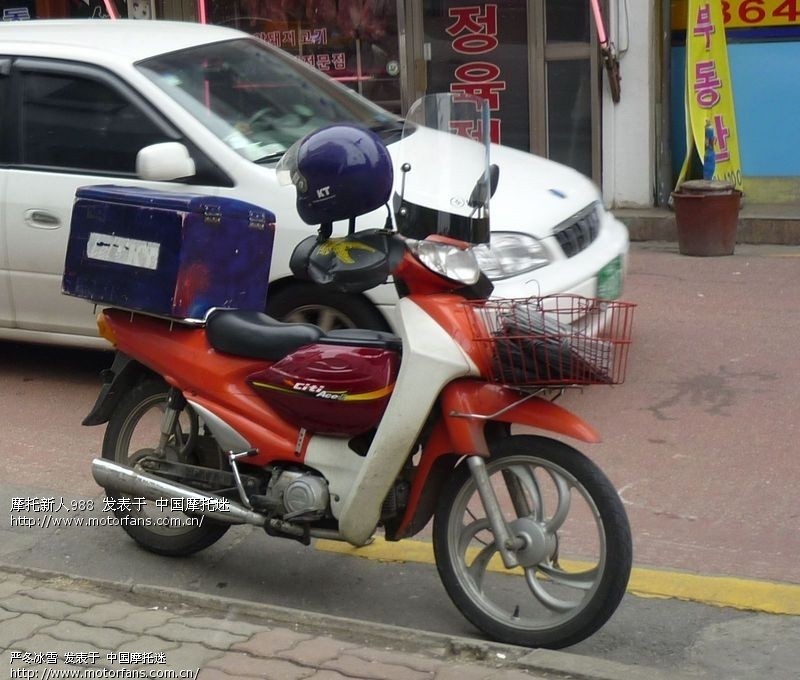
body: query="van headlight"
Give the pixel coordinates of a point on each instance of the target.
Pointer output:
(509, 253)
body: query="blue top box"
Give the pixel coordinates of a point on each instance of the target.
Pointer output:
(168, 254)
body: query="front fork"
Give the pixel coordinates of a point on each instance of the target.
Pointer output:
(507, 544)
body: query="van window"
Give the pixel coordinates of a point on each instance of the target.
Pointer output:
(76, 123)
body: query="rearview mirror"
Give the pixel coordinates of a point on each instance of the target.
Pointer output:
(163, 162)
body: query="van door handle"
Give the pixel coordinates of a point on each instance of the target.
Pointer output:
(42, 219)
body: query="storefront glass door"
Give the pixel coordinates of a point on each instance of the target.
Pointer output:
(571, 86)
(534, 60)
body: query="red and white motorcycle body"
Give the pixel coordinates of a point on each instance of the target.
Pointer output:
(341, 434)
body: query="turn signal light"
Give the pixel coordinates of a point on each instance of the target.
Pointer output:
(105, 330)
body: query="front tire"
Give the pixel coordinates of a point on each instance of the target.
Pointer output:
(576, 555)
(132, 431)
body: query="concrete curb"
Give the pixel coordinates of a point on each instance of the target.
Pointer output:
(756, 595)
(755, 226)
(541, 662)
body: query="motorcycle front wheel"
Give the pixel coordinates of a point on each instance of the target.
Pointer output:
(572, 542)
(132, 433)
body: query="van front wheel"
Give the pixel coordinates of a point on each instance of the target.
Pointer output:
(307, 303)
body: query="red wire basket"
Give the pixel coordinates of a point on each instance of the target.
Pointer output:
(554, 340)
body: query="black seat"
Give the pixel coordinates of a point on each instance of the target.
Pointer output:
(256, 335)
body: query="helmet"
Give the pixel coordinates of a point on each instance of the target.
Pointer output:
(340, 171)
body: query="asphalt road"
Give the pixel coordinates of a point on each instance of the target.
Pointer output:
(701, 442)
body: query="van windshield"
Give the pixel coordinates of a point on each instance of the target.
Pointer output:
(260, 100)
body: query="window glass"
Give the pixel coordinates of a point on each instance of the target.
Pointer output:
(569, 113)
(18, 10)
(567, 21)
(81, 124)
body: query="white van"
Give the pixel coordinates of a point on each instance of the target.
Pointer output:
(84, 97)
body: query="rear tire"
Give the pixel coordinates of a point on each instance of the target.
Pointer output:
(132, 431)
(577, 549)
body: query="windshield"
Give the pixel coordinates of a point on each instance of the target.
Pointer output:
(257, 99)
(451, 134)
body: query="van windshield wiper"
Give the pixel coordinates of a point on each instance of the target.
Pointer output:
(388, 129)
(270, 157)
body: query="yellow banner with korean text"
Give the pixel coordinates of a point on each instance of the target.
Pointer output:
(710, 116)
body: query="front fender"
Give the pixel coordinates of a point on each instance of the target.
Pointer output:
(467, 405)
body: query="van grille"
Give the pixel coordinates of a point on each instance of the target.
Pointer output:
(579, 232)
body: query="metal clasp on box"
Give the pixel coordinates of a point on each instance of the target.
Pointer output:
(212, 214)
(256, 220)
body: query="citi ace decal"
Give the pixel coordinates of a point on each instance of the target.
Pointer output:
(318, 391)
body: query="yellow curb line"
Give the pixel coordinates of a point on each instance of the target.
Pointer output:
(720, 591)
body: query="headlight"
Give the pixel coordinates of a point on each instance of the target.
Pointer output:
(448, 261)
(509, 254)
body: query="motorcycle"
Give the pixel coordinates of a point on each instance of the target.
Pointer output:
(241, 419)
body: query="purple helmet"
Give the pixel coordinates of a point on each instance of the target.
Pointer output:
(339, 172)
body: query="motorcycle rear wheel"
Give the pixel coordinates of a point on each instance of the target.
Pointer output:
(132, 432)
(577, 553)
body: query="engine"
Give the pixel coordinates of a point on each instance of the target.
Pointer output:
(297, 495)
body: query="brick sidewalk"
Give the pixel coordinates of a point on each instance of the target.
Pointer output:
(51, 624)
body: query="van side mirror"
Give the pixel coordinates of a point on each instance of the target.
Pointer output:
(163, 162)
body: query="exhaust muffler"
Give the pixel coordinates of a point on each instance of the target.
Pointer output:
(120, 479)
